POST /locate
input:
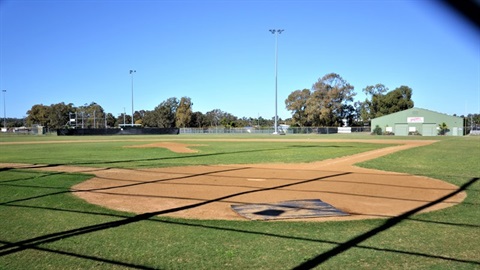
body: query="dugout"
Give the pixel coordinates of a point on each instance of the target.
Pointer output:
(417, 121)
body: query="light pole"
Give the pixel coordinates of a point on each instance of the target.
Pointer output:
(124, 116)
(4, 111)
(131, 73)
(276, 32)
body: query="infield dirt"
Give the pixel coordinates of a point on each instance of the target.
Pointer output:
(207, 192)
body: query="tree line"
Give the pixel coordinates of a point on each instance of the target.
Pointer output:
(172, 112)
(329, 102)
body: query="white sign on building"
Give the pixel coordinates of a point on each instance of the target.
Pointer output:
(415, 120)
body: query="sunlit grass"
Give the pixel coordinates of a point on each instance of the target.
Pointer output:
(118, 153)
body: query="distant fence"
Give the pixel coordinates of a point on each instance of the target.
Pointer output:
(117, 131)
(290, 130)
(39, 130)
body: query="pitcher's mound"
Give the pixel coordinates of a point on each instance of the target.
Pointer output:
(287, 210)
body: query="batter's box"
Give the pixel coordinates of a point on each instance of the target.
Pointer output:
(287, 210)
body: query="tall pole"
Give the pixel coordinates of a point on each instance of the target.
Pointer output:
(131, 73)
(276, 32)
(4, 111)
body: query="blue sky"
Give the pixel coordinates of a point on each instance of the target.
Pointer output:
(222, 56)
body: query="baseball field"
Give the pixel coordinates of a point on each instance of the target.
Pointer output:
(166, 202)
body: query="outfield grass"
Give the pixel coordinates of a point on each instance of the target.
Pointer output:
(43, 226)
(113, 151)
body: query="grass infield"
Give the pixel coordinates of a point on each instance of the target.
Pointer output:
(43, 226)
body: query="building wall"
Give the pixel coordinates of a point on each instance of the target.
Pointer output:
(416, 120)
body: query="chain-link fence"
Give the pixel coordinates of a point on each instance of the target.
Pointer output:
(289, 130)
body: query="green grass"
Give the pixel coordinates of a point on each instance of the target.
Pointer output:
(101, 152)
(43, 226)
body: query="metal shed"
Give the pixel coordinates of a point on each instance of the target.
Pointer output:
(419, 122)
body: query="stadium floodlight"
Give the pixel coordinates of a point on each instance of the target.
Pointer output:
(131, 73)
(276, 32)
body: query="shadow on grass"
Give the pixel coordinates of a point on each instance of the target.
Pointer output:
(191, 156)
(63, 191)
(34, 243)
(319, 146)
(321, 258)
(87, 257)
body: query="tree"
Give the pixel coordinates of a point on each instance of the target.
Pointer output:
(245, 122)
(183, 114)
(138, 117)
(122, 119)
(213, 117)
(382, 104)
(266, 122)
(13, 122)
(198, 120)
(163, 115)
(349, 113)
(228, 120)
(58, 114)
(38, 115)
(296, 102)
(91, 115)
(442, 129)
(217, 117)
(111, 120)
(369, 107)
(399, 99)
(358, 119)
(472, 121)
(330, 96)
(149, 119)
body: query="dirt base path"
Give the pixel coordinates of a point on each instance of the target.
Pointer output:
(207, 192)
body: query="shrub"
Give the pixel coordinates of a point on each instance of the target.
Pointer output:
(443, 129)
(377, 131)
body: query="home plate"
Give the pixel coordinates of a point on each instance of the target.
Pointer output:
(287, 210)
